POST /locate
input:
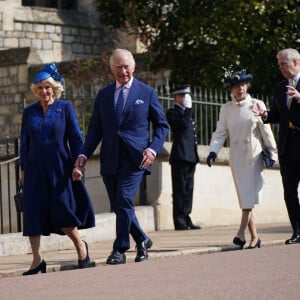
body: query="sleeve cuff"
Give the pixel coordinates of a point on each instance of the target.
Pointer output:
(82, 155)
(152, 151)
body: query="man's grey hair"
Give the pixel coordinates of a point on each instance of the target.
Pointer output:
(289, 53)
(121, 52)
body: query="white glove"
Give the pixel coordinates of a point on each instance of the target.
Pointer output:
(187, 101)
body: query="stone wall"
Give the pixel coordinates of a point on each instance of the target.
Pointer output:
(13, 87)
(33, 36)
(55, 35)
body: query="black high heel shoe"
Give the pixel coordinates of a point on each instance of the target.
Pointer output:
(237, 241)
(41, 267)
(84, 263)
(258, 244)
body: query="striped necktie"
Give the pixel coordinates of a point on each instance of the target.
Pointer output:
(120, 104)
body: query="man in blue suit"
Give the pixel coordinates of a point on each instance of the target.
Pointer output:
(120, 120)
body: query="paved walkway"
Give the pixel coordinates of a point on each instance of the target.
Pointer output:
(165, 244)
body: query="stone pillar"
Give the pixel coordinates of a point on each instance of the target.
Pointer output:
(13, 87)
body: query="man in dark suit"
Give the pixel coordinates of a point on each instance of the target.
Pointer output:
(285, 110)
(183, 158)
(120, 120)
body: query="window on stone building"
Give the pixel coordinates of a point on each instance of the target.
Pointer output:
(59, 4)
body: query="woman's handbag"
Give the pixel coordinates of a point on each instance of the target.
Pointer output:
(19, 198)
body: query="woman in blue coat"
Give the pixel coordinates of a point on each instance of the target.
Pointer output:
(50, 141)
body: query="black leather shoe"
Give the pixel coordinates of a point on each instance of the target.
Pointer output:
(142, 253)
(188, 227)
(293, 240)
(182, 227)
(190, 224)
(148, 243)
(239, 242)
(40, 268)
(116, 258)
(84, 263)
(193, 227)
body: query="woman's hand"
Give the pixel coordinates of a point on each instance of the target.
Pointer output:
(21, 179)
(80, 162)
(259, 111)
(77, 174)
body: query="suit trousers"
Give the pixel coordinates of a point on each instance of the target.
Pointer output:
(183, 187)
(121, 189)
(290, 173)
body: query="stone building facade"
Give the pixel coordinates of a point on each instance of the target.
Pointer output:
(36, 32)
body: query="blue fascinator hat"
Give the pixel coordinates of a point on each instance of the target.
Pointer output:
(49, 70)
(232, 78)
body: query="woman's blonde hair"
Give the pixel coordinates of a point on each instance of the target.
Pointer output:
(56, 85)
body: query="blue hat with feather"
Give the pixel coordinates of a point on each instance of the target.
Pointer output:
(232, 78)
(49, 70)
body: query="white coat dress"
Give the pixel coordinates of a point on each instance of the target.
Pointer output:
(247, 136)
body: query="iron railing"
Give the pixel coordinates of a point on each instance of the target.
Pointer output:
(10, 220)
(206, 107)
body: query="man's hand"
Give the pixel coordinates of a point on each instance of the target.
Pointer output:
(293, 92)
(148, 158)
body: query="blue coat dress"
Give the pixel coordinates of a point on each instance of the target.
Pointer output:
(49, 146)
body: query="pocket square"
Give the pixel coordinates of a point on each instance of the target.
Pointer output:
(138, 101)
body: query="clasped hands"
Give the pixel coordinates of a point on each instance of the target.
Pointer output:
(79, 168)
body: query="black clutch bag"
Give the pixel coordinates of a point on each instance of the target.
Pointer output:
(19, 199)
(267, 158)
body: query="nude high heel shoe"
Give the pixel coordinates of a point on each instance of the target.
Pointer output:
(257, 245)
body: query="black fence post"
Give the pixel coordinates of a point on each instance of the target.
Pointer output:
(17, 173)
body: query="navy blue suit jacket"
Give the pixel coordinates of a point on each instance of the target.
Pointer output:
(184, 135)
(142, 108)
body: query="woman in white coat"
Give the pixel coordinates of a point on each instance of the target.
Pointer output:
(248, 136)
